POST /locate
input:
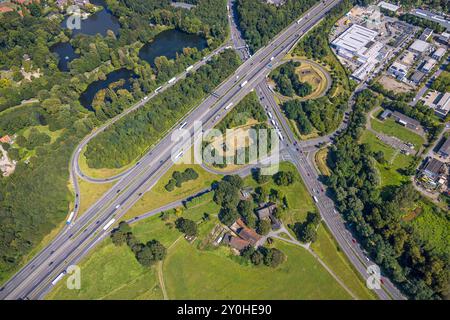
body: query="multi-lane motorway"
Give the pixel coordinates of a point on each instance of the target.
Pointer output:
(33, 281)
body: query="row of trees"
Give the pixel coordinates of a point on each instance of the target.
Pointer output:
(146, 254)
(288, 82)
(179, 177)
(423, 23)
(271, 257)
(377, 222)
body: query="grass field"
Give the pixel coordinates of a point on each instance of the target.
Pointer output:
(90, 193)
(391, 128)
(159, 196)
(389, 172)
(193, 274)
(327, 249)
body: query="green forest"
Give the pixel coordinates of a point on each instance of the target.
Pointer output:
(260, 21)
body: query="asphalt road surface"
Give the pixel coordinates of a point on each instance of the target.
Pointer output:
(34, 280)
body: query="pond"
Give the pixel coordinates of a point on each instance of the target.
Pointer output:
(170, 42)
(88, 95)
(100, 22)
(65, 53)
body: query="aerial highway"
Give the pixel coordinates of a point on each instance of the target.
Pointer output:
(34, 280)
(303, 158)
(301, 153)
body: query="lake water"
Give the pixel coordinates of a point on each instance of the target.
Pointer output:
(65, 53)
(100, 22)
(88, 95)
(170, 42)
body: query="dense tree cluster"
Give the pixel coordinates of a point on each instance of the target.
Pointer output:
(261, 21)
(179, 177)
(146, 254)
(226, 194)
(271, 257)
(36, 198)
(442, 83)
(208, 18)
(408, 260)
(284, 178)
(187, 227)
(287, 80)
(307, 231)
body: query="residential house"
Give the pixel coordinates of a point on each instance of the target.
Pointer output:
(266, 211)
(235, 242)
(5, 139)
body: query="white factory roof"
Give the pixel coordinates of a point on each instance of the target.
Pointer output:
(420, 46)
(355, 38)
(388, 6)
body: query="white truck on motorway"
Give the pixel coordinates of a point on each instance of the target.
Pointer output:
(244, 83)
(270, 115)
(280, 135)
(59, 277)
(315, 199)
(229, 106)
(69, 220)
(109, 224)
(157, 89)
(299, 20)
(172, 80)
(189, 68)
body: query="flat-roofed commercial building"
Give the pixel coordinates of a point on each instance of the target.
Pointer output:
(443, 105)
(420, 46)
(355, 41)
